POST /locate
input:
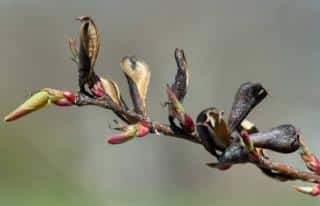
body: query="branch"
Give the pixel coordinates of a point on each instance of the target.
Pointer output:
(286, 172)
(232, 141)
(290, 172)
(155, 127)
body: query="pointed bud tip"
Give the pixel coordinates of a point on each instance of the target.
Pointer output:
(6, 119)
(313, 191)
(118, 139)
(16, 114)
(304, 189)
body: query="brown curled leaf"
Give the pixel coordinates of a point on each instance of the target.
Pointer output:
(247, 97)
(108, 90)
(181, 81)
(213, 130)
(283, 139)
(111, 89)
(138, 76)
(88, 52)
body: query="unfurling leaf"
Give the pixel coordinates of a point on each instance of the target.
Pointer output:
(108, 88)
(112, 90)
(247, 97)
(181, 82)
(213, 130)
(40, 100)
(140, 129)
(313, 191)
(138, 75)
(88, 52)
(176, 111)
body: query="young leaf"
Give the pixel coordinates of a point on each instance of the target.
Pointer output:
(138, 76)
(213, 130)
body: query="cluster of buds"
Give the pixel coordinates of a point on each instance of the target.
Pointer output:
(41, 99)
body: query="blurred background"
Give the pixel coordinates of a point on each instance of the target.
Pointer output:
(58, 156)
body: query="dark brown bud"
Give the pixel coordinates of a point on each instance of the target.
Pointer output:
(247, 97)
(181, 81)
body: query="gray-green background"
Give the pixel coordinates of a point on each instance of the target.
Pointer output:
(59, 156)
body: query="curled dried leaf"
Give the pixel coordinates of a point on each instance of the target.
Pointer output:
(88, 52)
(213, 130)
(138, 76)
(112, 90)
(181, 82)
(284, 139)
(247, 97)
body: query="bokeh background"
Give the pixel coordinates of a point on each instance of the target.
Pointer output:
(58, 156)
